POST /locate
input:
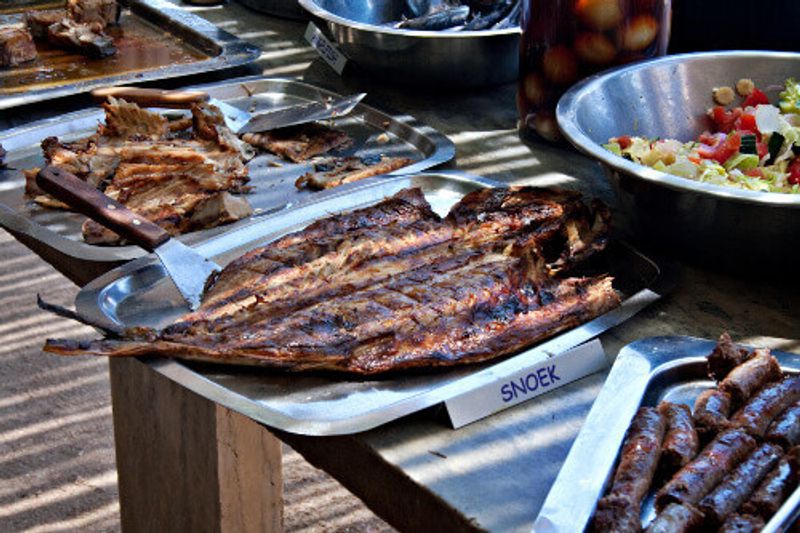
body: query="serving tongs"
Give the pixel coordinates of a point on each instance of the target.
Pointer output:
(238, 120)
(187, 269)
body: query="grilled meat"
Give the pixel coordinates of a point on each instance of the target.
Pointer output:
(96, 12)
(299, 143)
(84, 39)
(384, 288)
(340, 170)
(39, 20)
(180, 184)
(16, 46)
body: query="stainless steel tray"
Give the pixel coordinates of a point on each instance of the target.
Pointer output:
(645, 373)
(274, 188)
(211, 48)
(138, 294)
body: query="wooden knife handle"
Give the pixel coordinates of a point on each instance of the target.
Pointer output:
(89, 201)
(152, 97)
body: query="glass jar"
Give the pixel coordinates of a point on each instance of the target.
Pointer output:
(566, 40)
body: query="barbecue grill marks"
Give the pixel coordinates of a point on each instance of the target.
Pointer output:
(383, 288)
(180, 180)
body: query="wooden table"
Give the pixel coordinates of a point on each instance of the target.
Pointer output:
(187, 464)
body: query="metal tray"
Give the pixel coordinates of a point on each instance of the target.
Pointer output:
(274, 188)
(157, 40)
(138, 294)
(645, 373)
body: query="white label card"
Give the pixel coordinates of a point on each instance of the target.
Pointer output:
(326, 49)
(539, 378)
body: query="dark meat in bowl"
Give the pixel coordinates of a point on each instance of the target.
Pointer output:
(394, 286)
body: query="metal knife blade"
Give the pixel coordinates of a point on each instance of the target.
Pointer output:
(299, 114)
(188, 269)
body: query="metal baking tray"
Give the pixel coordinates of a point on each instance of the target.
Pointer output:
(274, 188)
(646, 372)
(156, 40)
(139, 294)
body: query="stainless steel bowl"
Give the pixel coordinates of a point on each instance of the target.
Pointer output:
(668, 98)
(449, 59)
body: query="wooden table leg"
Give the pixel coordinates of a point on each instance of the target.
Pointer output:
(187, 464)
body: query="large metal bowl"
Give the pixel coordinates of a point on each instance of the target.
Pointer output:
(449, 59)
(668, 98)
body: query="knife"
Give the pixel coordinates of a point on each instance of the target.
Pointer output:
(238, 120)
(188, 269)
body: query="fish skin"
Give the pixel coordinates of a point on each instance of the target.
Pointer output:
(386, 288)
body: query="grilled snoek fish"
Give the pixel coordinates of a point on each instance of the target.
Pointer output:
(394, 286)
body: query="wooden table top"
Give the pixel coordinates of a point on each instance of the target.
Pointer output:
(494, 474)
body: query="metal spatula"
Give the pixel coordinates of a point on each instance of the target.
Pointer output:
(238, 120)
(188, 269)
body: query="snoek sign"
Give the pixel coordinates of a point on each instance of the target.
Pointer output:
(543, 376)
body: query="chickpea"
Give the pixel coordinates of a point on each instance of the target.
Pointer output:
(639, 33)
(745, 87)
(600, 15)
(559, 65)
(722, 95)
(595, 48)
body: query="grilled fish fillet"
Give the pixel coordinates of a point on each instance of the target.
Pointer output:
(394, 286)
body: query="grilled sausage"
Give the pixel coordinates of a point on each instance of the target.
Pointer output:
(776, 487)
(742, 523)
(676, 518)
(725, 356)
(702, 474)
(681, 443)
(744, 380)
(785, 430)
(640, 454)
(616, 514)
(711, 411)
(762, 408)
(739, 484)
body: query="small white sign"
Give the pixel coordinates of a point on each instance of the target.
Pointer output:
(326, 49)
(539, 378)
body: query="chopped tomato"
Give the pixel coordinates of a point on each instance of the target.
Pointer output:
(722, 151)
(754, 173)
(755, 98)
(794, 172)
(625, 141)
(762, 149)
(707, 138)
(747, 123)
(725, 119)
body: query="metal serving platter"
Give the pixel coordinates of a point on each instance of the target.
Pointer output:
(155, 40)
(316, 404)
(272, 179)
(645, 373)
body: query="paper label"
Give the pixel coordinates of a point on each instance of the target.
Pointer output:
(326, 49)
(539, 378)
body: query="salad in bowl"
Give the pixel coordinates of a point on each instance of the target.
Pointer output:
(754, 145)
